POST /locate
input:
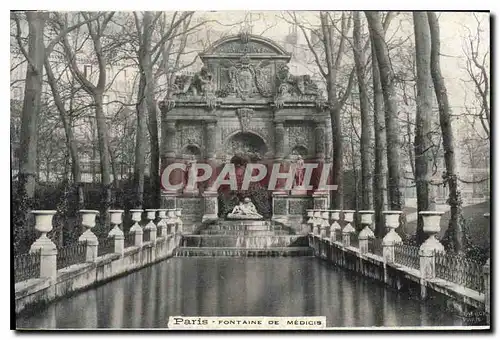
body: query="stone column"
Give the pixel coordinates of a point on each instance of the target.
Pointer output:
(211, 150)
(211, 206)
(178, 221)
(366, 233)
(169, 151)
(335, 215)
(170, 139)
(162, 223)
(348, 228)
(487, 287)
(47, 248)
(391, 238)
(151, 227)
(316, 222)
(280, 207)
(325, 225)
(211, 133)
(426, 252)
(279, 140)
(116, 217)
(171, 219)
(88, 221)
(136, 228)
(319, 133)
(310, 220)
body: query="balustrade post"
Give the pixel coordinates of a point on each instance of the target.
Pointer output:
(47, 248)
(178, 221)
(151, 227)
(391, 238)
(136, 228)
(88, 221)
(348, 228)
(162, 223)
(316, 222)
(310, 220)
(487, 295)
(324, 226)
(428, 249)
(170, 221)
(116, 217)
(335, 215)
(367, 232)
(426, 252)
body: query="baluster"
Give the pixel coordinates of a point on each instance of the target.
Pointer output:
(116, 217)
(46, 248)
(88, 221)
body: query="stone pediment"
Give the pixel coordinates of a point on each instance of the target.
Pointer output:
(245, 44)
(244, 68)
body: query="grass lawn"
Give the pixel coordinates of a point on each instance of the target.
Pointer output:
(478, 225)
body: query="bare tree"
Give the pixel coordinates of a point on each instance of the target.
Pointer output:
(366, 121)
(96, 30)
(391, 111)
(423, 143)
(455, 225)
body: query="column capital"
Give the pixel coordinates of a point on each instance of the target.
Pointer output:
(279, 121)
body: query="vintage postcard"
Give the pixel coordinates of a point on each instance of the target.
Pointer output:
(244, 170)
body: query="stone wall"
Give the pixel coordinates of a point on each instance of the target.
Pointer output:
(460, 300)
(35, 292)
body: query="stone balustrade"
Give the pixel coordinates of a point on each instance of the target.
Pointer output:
(420, 262)
(79, 266)
(47, 250)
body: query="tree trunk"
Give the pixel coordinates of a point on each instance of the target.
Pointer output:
(28, 165)
(454, 200)
(422, 145)
(102, 131)
(380, 173)
(31, 104)
(391, 110)
(140, 145)
(366, 124)
(70, 139)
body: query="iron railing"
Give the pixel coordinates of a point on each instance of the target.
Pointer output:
(71, 254)
(146, 236)
(460, 270)
(406, 255)
(129, 240)
(375, 246)
(106, 246)
(26, 266)
(338, 235)
(354, 240)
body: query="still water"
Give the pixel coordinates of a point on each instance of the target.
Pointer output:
(218, 286)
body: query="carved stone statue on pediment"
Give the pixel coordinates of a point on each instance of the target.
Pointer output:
(201, 83)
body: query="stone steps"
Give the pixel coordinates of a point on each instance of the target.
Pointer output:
(258, 242)
(210, 232)
(243, 252)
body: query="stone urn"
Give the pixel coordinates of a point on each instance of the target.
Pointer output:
(43, 223)
(136, 215)
(431, 221)
(367, 222)
(392, 218)
(116, 217)
(43, 220)
(349, 215)
(391, 223)
(88, 218)
(432, 227)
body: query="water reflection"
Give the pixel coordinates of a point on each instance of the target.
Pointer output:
(238, 287)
